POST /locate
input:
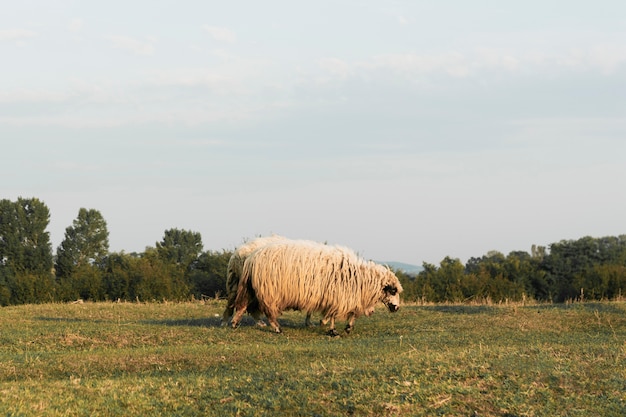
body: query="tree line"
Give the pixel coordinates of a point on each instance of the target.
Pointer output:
(584, 269)
(178, 268)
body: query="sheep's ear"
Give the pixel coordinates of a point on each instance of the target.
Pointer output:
(390, 289)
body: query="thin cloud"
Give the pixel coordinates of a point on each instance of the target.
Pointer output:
(402, 20)
(21, 96)
(76, 25)
(16, 34)
(604, 59)
(221, 34)
(335, 66)
(133, 45)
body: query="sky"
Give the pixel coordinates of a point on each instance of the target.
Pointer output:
(406, 130)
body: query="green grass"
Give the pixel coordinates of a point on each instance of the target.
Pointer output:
(109, 359)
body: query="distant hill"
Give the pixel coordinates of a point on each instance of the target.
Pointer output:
(406, 268)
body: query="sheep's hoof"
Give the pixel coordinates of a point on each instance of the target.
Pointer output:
(349, 329)
(261, 323)
(333, 333)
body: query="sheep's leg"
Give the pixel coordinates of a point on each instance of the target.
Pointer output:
(232, 283)
(274, 323)
(227, 313)
(229, 310)
(271, 314)
(332, 332)
(350, 325)
(307, 321)
(237, 318)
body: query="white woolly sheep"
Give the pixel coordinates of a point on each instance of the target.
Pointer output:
(310, 276)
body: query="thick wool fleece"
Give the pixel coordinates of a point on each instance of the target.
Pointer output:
(312, 276)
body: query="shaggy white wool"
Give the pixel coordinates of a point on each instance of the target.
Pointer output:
(312, 276)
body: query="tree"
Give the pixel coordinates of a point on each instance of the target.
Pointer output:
(207, 276)
(85, 282)
(538, 252)
(158, 280)
(180, 247)
(450, 275)
(118, 282)
(25, 252)
(426, 284)
(86, 242)
(24, 242)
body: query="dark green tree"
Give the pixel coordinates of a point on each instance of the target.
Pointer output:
(450, 276)
(25, 252)
(154, 279)
(86, 242)
(426, 284)
(569, 261)
(117, 279)
(85, 282)
(180, 247)
(80, 255)
(207, 276)
(24, 241)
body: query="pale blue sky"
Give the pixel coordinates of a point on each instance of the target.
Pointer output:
(407, 130)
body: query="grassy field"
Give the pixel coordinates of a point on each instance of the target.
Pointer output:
(109, 359)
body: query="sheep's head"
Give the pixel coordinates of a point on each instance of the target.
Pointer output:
(391, 291)
(392, 297)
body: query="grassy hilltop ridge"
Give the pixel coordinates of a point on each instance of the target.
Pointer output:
(173, 359)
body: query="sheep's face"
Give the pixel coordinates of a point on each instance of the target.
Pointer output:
(391, 297)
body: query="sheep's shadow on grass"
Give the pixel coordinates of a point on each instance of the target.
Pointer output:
(246, 321)
(195, 322)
